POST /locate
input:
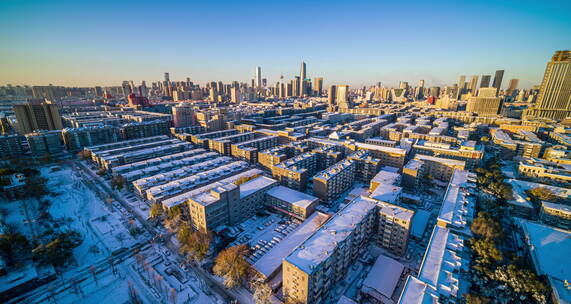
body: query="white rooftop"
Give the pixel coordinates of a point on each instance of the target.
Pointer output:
(383, 277)
(291, 196)
(550, 250)
(256, 184)
(323, 242)
(273, 259)
(457, 209)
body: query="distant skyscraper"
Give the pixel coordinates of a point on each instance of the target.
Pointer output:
(343, 96)
(554, 99)
(474, 84)
(235, 95)
(318, 86)
(461, 84)
(302, 76)
(486, 103)
(126, 88)
(98, 91)
(167, 79)
(332, 95)
(498, 79)
(485, 81)
(512, 86)
(258, 77)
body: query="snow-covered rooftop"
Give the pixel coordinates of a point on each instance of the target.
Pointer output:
(457, 208)
(550, 250)
(419, 223)
(183, 197)
(255, 185)
(383, 278)
(273, 259)
(323, 242)
(291, 196)
(380, 148)
(446, 161)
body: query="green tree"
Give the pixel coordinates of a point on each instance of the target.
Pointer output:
(14, 247)
(522, 281)
(476, 299)
(541, 194)
(83, 154)
(486, 251)
(195, 244)
(7, 171)
(262, 293)
(156, 210)
(58, 250)
(35, 187)
(118, 182)
(231, 265)
(486, 226)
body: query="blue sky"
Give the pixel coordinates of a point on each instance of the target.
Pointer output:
(351, 42)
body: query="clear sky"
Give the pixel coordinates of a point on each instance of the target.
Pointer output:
(86, 43)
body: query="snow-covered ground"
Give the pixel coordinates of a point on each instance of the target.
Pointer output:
(107, 265)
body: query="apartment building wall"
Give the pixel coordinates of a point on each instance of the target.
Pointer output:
(332, 182)
(346, 234)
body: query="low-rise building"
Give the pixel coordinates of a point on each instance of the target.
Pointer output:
(291, 202)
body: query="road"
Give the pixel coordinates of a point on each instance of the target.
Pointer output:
(213, 284)
(45, 292)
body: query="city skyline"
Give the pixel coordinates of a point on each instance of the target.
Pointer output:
(103, 45)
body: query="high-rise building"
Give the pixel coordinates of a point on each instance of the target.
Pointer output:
(332, 95)
(44, 143)
(236, 96)
(461, 84)
(512, 86)
(167, 78)
(302, 76)
(485, 82)
(183, 115)
(486, 103)
(258, 77)
(554, 99)
(474, 84)
(98, 91)
(318, 86)
(343, 96)
(498, 79)
(126, 88)
(37, 115)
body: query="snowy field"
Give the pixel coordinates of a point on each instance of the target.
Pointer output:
(115, 262)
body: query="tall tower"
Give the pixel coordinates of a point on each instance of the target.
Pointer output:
(474, 84)
(167, 79)
(258, 77)
(485, 82)
(512, 86)
(302, 76)
(343, 96)
(332, 95)
(554, 99)
(498, 79)
(461, 84)
(318, 86)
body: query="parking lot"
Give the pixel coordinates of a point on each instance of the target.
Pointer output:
(260, 234)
